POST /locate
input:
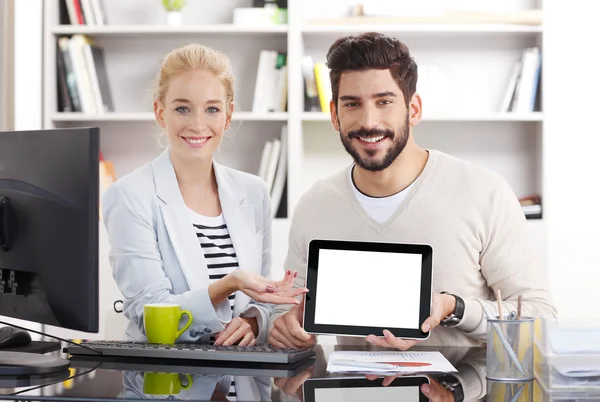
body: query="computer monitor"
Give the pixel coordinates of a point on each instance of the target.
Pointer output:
(49, 213)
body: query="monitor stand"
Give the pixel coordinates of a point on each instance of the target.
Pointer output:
(21, 363)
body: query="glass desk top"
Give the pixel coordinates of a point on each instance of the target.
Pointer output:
(104, 379)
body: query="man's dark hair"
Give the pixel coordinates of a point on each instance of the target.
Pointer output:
(368, 51)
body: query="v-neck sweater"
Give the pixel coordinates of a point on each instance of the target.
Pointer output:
(471, 218)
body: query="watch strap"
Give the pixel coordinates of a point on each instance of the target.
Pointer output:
(457, 315)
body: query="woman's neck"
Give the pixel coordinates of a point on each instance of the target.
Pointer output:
(194, 174)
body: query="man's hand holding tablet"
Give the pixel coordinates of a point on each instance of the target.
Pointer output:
(442, 305)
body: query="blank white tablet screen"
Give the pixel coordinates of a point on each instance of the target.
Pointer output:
(368, 288)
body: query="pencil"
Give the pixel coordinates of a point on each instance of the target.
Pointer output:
(519, 306)
(499, 300)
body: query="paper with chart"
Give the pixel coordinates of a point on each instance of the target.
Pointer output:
(388, 362)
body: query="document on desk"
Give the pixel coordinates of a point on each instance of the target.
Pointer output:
(388, 362)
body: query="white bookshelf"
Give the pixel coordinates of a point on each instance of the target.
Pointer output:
(492, 117)
(461, 117)
(149, 117)
(428, 29)
(161, 30)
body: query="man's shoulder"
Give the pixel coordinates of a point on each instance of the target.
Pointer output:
(324, 190)
(457, 170)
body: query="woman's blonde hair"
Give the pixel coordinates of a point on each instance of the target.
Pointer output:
(193, 57)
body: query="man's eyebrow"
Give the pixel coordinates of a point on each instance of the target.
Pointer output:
(375, 95)
(384, 94)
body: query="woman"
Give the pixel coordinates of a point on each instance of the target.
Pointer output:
(184, 229)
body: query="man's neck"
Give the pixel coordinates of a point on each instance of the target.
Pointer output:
(398, 176)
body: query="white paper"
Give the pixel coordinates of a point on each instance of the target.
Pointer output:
(388, 362)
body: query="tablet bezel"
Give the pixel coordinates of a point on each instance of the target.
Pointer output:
(312, 384)
(315, 245)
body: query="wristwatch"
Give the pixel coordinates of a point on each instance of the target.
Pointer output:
(452, 384)
(454, 318)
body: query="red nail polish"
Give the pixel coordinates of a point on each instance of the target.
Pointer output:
(289, 272)
(295, 274)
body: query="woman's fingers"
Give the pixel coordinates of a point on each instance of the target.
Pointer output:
(273, 298)
(240, 333)
(247, 339)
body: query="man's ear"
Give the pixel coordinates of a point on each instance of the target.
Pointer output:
(334, 116)
(159, 113)
(415, 110)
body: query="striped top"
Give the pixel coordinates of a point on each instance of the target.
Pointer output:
(226, 386)
(216, 245)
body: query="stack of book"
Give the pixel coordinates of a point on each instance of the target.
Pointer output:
(522, 92)
(84, 12)
(273, 170)
(532, 206)
(270, 92)
(317, 86)
(83, 84)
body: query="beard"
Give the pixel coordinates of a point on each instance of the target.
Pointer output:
(371, 162)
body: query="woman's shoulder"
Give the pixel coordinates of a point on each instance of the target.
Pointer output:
(137, 184)
(244, 181)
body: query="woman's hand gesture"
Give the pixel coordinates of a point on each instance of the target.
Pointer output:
(266, 290)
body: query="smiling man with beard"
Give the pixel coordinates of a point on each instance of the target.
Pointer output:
(396, 191)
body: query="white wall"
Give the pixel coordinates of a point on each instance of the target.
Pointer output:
(571, 143)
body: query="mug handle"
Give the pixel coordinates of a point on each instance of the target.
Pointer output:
(190, 382)
(187, 325)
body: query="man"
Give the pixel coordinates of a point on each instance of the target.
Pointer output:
(398, 192)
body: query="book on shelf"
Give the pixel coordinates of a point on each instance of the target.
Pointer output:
(317, 85)
(83, 12)
(270, 92)
(273, 169)
(83, 84)
(532, 206)
(522, 91)
(107, 177)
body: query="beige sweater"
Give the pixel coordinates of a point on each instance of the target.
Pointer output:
(471, 218)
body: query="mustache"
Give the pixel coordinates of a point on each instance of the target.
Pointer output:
(363, 132)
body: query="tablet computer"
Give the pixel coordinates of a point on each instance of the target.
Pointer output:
(405, 389)
(361, 288)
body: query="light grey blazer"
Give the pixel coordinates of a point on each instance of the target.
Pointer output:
(155, 254)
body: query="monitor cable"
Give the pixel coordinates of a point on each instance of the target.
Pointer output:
(51, 336)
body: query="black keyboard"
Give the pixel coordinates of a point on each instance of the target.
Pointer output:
(194, 351)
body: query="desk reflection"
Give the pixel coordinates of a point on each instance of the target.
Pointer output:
(205, 387)
(468, 384)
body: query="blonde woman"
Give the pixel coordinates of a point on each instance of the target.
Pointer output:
(184, 229)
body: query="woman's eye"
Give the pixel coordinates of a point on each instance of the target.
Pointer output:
(212, 109)
(182, 109)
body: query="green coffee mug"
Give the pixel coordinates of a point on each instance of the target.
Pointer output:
(165, 383)
(161, 322)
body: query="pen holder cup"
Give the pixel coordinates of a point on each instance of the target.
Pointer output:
(510, 349)
(510, 390)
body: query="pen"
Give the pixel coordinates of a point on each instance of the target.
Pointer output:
(378, 365)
